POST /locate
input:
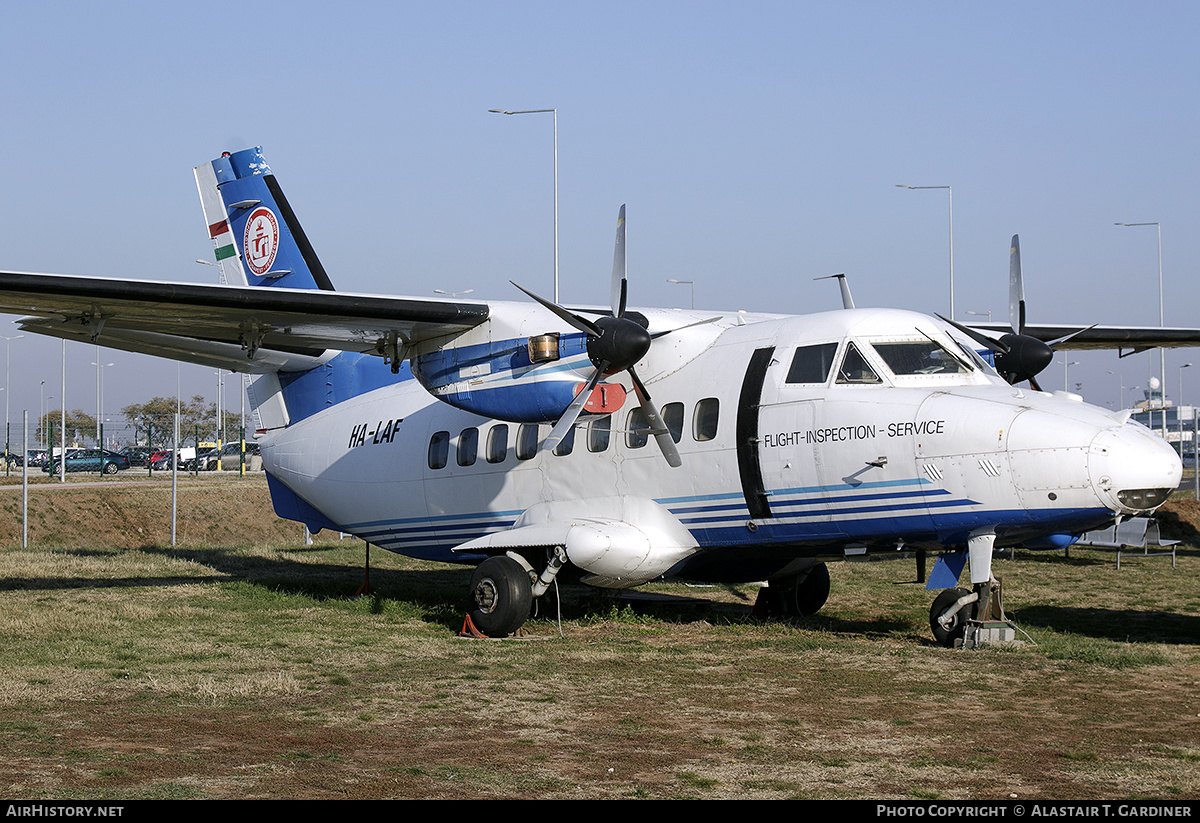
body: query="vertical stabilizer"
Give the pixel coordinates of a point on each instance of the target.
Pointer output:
(257, 240)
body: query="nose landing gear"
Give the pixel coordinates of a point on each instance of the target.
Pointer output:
(973, 617)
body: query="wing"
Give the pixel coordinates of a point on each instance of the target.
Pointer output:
(1126, 339)
(240, 328)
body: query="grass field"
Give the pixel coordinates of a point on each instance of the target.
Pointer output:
(236, 666)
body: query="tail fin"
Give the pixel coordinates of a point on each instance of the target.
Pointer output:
(256, 237)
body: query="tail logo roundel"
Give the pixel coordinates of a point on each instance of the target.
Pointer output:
(260, 240)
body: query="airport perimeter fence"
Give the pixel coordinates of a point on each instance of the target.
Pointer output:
(141, 440)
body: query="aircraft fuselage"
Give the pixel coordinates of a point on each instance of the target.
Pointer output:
(821, 436)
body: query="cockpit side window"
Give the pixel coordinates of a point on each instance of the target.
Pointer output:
(855, 369)
(811, 364)
(921, 357)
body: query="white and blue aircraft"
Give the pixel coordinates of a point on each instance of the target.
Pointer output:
(517, 435)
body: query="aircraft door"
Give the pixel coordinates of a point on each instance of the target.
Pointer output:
(787, 462)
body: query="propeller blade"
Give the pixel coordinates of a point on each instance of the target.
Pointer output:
(979, 337)
(572, 319)
(567, 421)
(658, 426)
(1016, 288)
(1065, 338)
(618, 288)
(664, 333)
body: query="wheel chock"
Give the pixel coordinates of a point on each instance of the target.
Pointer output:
(468, 629)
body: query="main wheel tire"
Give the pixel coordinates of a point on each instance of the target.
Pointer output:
(797, 596)
(954, 630)
(811, 591)
(501, 596)
(110, 468)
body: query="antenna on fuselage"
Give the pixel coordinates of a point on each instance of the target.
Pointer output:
(847, 300)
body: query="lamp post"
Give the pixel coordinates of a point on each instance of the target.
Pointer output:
(690, 283)
(555, 113)
(1121, 390)
(950, 193)
(1066, 365)
(1162, 353)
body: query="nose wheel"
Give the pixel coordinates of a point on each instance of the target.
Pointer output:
(948, 616)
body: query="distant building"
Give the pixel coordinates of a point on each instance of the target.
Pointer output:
(1155, 412)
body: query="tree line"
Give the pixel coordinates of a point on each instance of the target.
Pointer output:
(151, 423)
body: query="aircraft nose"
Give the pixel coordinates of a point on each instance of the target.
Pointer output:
(1132, 469)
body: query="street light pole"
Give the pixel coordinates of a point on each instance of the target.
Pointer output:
(1162, 353)
(949, 192)
(555, 113)
(1066, 365)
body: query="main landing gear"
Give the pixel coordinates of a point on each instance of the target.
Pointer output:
(975, 616)
(800, 595)
(501, 596)
(503, 589)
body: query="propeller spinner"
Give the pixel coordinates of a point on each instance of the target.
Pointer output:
(614, 344)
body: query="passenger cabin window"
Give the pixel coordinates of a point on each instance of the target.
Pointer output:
(527, 441)
(812, 364)
(855, 369)
(468, 446)
(672, 415)
(638, 429)
(921, 357)
(599, 433)
(439, 450)
(497, 443)
(567, 444)
(704, 419)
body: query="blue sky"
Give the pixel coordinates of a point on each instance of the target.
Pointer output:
(756, 148)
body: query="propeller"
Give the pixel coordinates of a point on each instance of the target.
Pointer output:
(614, 344)
(1019, 356)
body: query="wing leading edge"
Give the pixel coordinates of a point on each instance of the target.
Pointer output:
(1126, 339)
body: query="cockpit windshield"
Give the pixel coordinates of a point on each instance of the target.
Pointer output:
(921, 357)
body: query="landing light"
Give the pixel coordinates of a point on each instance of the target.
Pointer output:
(1143, 498)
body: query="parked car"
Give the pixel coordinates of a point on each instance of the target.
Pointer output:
(160, 460)
(229, 455)
(189, 465)
(90, 460)
(138, 455)
(15, 459)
